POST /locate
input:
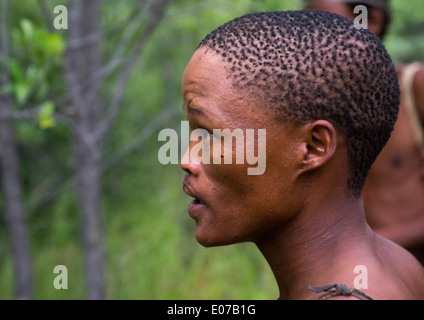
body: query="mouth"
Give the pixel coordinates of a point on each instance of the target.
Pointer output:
(198, 201)
(197, 205)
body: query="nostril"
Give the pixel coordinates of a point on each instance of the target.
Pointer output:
(189, 166)
(185, 166)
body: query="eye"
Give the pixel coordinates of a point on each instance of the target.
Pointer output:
(206, 134)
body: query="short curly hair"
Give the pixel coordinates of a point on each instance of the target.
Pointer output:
(308, 65)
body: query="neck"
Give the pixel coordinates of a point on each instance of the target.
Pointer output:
(307, 250)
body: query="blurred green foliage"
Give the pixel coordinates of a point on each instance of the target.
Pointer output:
(151, 249)
(405, 41)
(32, 66)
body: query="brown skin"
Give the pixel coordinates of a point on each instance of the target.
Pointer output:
(299, 213)
(375, 17)
(394, 191)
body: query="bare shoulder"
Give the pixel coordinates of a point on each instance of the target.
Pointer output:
(383, 270)
(399, 275)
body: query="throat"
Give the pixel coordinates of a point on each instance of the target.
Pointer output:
(316, 248)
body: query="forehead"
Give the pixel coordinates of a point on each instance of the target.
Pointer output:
(206, 85)
(205, 70)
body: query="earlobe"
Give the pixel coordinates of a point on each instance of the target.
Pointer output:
(320, 142)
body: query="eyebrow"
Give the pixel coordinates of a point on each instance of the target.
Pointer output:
(198, 111)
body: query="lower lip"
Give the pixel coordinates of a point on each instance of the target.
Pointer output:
(195, 208)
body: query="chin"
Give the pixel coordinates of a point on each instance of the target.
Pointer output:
(208, 240)
(207, 243)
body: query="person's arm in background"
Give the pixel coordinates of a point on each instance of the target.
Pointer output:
(410, 233)
(419, 92)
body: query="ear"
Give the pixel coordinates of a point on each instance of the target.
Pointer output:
(320, 144)
(376, 21)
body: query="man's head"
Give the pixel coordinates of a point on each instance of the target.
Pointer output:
(316, 84)
(379, 15)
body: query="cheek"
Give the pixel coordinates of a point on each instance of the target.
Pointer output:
(243, 207)
(231, 189)
(227, 169)
(233, 180)
(227, 180)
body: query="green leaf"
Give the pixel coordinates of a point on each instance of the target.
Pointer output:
(55, 45)
(15, 70)
(21, 91)
(45, 115)
(27, 28)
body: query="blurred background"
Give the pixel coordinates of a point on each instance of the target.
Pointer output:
(80, 113)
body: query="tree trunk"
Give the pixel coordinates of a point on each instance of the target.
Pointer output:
(12, 192)
(89, 191)
(81, 62)
(82, 69)
(11, 183)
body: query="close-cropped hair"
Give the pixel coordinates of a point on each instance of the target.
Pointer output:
(309, 65)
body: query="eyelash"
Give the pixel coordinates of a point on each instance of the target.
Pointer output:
(208, 131)
(210, 134)
(200, 127)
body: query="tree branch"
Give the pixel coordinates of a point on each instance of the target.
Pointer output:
(46, 12)
(139, 139)
(156, 11)
(112, 160)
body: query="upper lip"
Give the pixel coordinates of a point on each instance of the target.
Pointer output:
(188, 189)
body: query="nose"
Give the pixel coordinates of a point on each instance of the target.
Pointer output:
(189, 166)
